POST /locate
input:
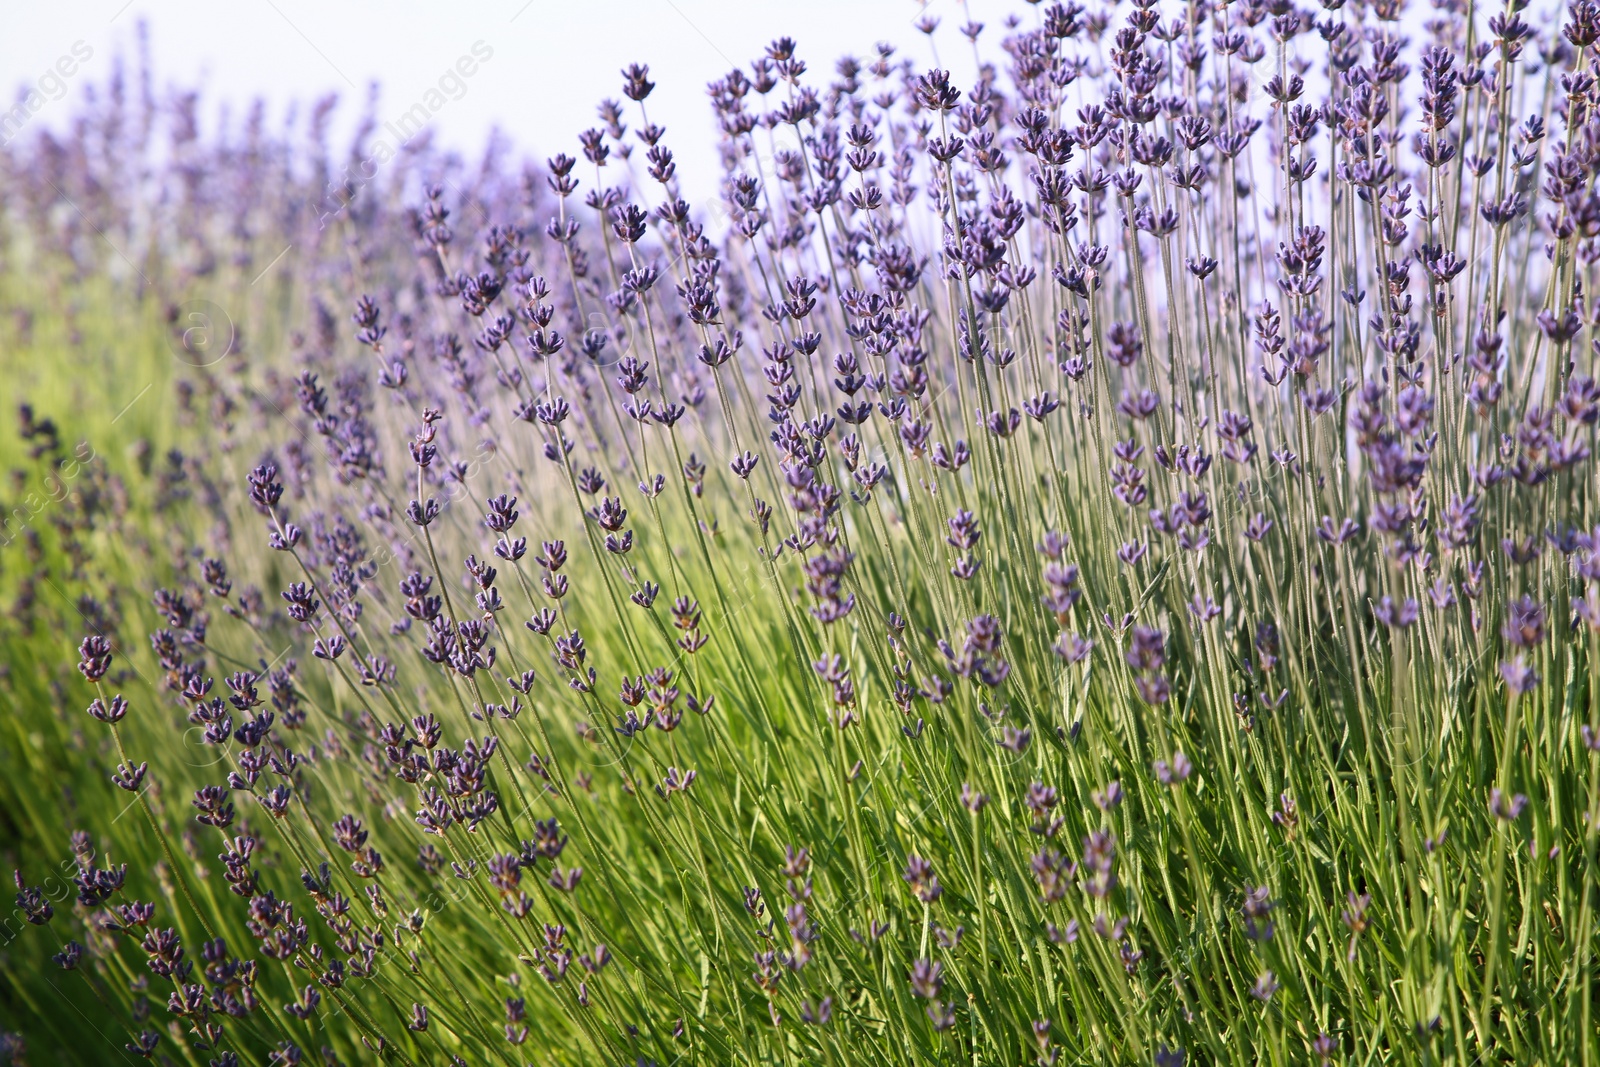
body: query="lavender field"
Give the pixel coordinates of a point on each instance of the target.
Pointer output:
(1100, 564)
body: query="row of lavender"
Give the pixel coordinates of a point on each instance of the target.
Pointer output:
(627, 630)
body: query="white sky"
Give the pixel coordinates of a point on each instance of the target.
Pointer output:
(553, 61)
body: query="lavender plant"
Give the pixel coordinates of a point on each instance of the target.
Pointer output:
(1099, 564)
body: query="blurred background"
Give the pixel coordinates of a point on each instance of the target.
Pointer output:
(538, 72)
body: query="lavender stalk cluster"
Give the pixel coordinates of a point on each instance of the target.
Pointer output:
(1097, 560)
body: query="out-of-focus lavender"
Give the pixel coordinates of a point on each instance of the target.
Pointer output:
(1101, 563)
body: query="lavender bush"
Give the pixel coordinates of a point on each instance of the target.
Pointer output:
(1097, 565)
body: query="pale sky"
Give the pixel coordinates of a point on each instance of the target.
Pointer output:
(551, 62)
